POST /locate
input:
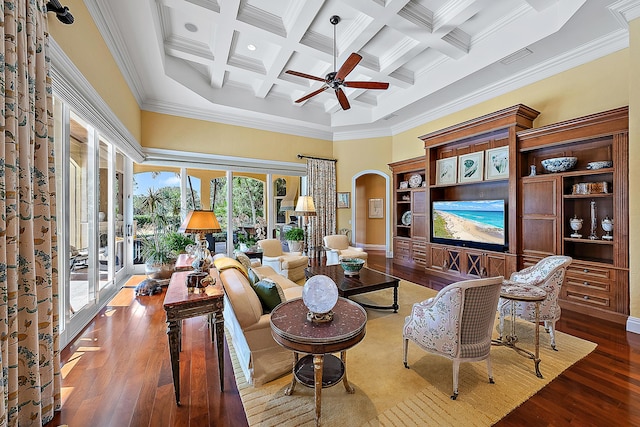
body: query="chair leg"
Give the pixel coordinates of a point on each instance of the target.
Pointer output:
(405, 349)
(456, 370)
(551, 326)
(489, 371)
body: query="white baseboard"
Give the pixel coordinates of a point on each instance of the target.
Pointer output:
(372, 247)
(633, 325)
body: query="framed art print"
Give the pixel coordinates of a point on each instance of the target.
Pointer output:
(470, 167)
(344, 199)
(497, 163)
(375, 208)
(446, 171)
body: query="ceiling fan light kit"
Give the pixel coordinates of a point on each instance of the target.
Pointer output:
(335, 79)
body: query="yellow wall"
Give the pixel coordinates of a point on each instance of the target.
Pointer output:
(198, 136)
(597, 86)
(84, 45)
(371, 231)
(354, 157)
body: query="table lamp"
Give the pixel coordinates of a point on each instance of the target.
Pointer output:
(200, 222)
(305, 208)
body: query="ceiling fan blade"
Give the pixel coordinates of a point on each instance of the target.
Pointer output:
(367, 85)
(306, 76)
(342, 99)
(348, 66)
(314, 93)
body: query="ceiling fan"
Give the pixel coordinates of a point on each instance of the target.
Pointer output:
(335, 79)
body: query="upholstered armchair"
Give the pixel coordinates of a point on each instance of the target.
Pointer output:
(547, 274)
(289, 264)
(456, 323)
(337, 247)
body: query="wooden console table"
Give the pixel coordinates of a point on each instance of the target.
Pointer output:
(181, 304)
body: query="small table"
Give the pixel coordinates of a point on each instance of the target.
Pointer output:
(513, 292)
(318, 369)
(254, 255)
(366, 281)
(181, 304)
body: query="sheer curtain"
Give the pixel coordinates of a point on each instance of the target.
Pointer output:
(321, 178)
(29, 356)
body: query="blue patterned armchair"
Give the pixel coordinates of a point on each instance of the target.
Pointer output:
(547, 274)
(456, 323)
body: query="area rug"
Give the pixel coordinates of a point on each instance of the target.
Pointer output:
(388, 394)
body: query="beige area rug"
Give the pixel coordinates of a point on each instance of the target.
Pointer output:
(388, 394)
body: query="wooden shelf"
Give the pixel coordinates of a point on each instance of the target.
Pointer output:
(587, 196)
(588, 241)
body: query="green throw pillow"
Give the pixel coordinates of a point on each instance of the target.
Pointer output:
(253, 276)
(269, 293)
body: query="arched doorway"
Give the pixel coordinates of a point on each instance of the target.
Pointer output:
(369, 230)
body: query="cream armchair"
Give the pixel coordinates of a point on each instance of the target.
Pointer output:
(456, 323)
(547, 274)
(337, 247)
(289, 264)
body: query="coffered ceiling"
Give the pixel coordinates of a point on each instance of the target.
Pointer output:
(225, 60)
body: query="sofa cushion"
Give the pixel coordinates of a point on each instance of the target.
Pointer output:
(269, 293)
(244, 300)
(243, 259)
(226, 263)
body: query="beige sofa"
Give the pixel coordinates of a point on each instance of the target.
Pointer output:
(260, 357)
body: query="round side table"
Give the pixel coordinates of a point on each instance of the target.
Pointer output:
(514, 291)
(318, 369)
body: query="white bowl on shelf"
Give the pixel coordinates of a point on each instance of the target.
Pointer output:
(559, 164)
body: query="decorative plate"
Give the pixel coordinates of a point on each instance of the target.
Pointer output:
(406, 218)
(415, 180)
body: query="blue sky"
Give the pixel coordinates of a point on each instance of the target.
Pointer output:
(165, 179)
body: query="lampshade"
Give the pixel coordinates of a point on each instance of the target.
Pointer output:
(200, 221)
(305, 206)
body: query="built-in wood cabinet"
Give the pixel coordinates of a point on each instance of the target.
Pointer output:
(409, 212)
(539, 204)
(452, 145)
(598, 279)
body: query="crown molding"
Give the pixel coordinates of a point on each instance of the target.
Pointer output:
(73, 88)
(242, 118)
(162, 157)
(606, 45)
(117, 45)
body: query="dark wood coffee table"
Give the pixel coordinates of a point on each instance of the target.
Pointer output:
(367, 281)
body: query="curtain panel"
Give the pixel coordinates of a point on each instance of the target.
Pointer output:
(321, 178)
(29, 356)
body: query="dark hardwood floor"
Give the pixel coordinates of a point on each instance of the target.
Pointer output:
(117, 372)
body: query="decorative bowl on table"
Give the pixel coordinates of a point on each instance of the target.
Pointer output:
(599, 165)
(559, 164)
(352, 266)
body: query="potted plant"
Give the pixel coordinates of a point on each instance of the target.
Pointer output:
(157, 251)
(246, 242)
(295, 238)
(177, 242)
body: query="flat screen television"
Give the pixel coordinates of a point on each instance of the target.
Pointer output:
(471, 223)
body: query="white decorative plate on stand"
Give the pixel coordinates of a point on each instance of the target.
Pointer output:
(406, 218)
(415, 180)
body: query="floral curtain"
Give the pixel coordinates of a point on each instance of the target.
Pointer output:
(29, 356)
(321, 176)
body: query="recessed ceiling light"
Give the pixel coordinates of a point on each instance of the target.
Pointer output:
(251, 47)
(191, 27)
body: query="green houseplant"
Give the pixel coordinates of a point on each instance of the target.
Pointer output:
(294, 238)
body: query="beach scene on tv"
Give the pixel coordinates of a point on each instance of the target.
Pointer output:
(477, 221)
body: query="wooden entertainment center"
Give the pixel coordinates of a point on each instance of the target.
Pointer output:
(538, 207)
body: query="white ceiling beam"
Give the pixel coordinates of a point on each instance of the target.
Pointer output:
(222, 38)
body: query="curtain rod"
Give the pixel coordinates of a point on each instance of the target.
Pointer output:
(62, 12)
(302, 156)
